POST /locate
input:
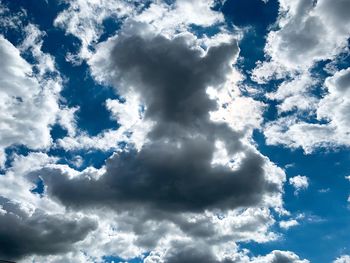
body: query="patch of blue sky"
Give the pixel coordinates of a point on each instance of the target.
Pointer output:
(40, 187)
(322, 233)
(113, 259)
(256, 17)
(11, 152)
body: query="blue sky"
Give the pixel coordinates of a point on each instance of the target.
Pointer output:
(175, 131)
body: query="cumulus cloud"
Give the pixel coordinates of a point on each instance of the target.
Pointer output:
(168, 182)
(183, 252)
(28, 103)
(84, 19)
(299, 41)
(39, 233)
(299, 182)
(278, 256)
(167, 21)
(332, 109)
(188, 183)
(288, 224)
(342, 259)
(293, 48)
(173, 169)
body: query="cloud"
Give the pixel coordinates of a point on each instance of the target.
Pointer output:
(172, 171)
(181, 251)
(167, 188)
(294, 47)
(39, 233)
(186, 253)
(288, 224)
(28, 103)
(84, 19)
(300, 41)
(332, 110)
(342, 259)
(188, 182)
(166, 20)
(299, 182)
(278, 256)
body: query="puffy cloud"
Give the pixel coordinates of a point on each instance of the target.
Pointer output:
(332, 109)
(278, 256)
(129, 117)
(299, 182)
(84, 19)
(163, 193)
(342, 259)
(306, 33)
(172, 171)
(39, 233)
(166, 19)
(28, 103)
(183, 252)
(167, 183)
(288, 224)
(300, 39)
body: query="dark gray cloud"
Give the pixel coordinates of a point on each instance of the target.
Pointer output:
(190, 255)
(22, 235)
(172, 172)
(342, 83)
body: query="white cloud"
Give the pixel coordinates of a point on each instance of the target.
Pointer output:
(342, 259)
(333, 109)
(28, 103)
(280, 256)
(299, 182)
(169, 19)
(30, 95)
(306, 33)
(133, 129)
(288, 224)
(84, 19)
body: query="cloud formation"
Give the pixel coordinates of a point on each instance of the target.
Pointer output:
(38, 233)
(27, 110)
(173, 169)
(185, 182)
(294, 48)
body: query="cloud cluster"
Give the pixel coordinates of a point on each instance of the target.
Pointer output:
(332, 110)
(188, 183)
(342, 259)
(300, 41)
(29, 101)
(306, 33)
(38, 233)
(173, 169)
(169, 183)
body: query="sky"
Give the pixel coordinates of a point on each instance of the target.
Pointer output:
(175, 131)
